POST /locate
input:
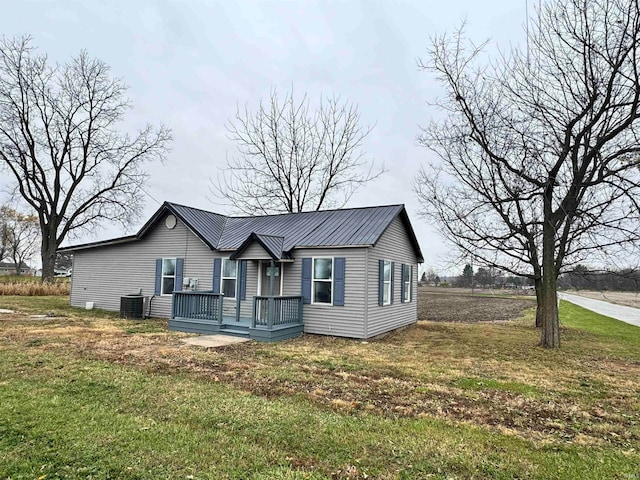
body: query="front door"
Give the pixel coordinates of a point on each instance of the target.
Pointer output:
(265, 278)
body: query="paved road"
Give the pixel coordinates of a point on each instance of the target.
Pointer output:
(619, 312)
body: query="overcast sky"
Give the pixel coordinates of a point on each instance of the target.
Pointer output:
(189, 64)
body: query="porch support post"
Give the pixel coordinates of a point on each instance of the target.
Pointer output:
(237, 297)
(271, 290)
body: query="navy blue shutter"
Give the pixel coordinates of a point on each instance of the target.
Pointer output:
(217, 270)
(393, 267)
(403, 271)
(243, 279)
(177, 286)
(381, 282)
(410, 267)
(339, 264)
(306, 280)
(158, 286)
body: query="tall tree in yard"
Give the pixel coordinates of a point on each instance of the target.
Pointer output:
(61, 143)
(293, 158)
(538, 149)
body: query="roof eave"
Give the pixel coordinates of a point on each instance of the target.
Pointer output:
(100, 243)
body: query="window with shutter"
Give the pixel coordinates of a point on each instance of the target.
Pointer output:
(322, 280)
(229, 278)
(168, 276)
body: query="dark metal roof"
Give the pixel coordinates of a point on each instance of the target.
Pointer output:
(280, 234)
(271, 244)
(325, 228)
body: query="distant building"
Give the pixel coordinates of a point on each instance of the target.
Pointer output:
(7, 268)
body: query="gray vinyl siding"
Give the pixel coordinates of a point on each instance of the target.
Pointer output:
(102, 275)
(246, 307)
(342, 321)
(395, 246)
(255, 252)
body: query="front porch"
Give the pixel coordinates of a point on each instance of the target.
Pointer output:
(273, 318)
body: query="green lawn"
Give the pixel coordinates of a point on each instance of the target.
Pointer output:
(93, 396)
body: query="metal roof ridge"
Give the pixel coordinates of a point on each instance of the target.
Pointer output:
(196, 208)
(317, 211)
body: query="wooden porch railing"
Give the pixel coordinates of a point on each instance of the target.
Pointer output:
(274, 311)
(198, 305)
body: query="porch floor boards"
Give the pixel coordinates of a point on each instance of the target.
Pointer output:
(244, 322)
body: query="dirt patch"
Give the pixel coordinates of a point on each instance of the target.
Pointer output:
(452, 307)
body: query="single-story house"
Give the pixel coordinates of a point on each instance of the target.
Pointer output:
(349, 272)
(7, 268)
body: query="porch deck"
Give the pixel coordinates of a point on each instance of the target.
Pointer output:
(273, 318)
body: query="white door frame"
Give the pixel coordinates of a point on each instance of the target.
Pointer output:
(259, 289)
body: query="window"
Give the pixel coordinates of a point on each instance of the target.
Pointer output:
(168, 276)
(407, 282)
(386, 285)
(229, 276)
(322, 280)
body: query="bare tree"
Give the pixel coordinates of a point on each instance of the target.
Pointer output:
(538, 149)
(294, 159)
(22, 235)
(59, 139)
(4, 231)
(64, 261)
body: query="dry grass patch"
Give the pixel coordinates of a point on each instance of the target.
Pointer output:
(491, 375)
(33, 287)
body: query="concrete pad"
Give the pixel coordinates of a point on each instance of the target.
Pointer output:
(4, 310)
(213, 341)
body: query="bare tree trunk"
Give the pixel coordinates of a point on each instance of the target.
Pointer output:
(538, 286)
(17, 263)
(48, 256)
(550, 337)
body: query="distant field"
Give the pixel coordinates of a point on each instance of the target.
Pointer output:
(459, 305)
(479, 291)
(630, 299)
